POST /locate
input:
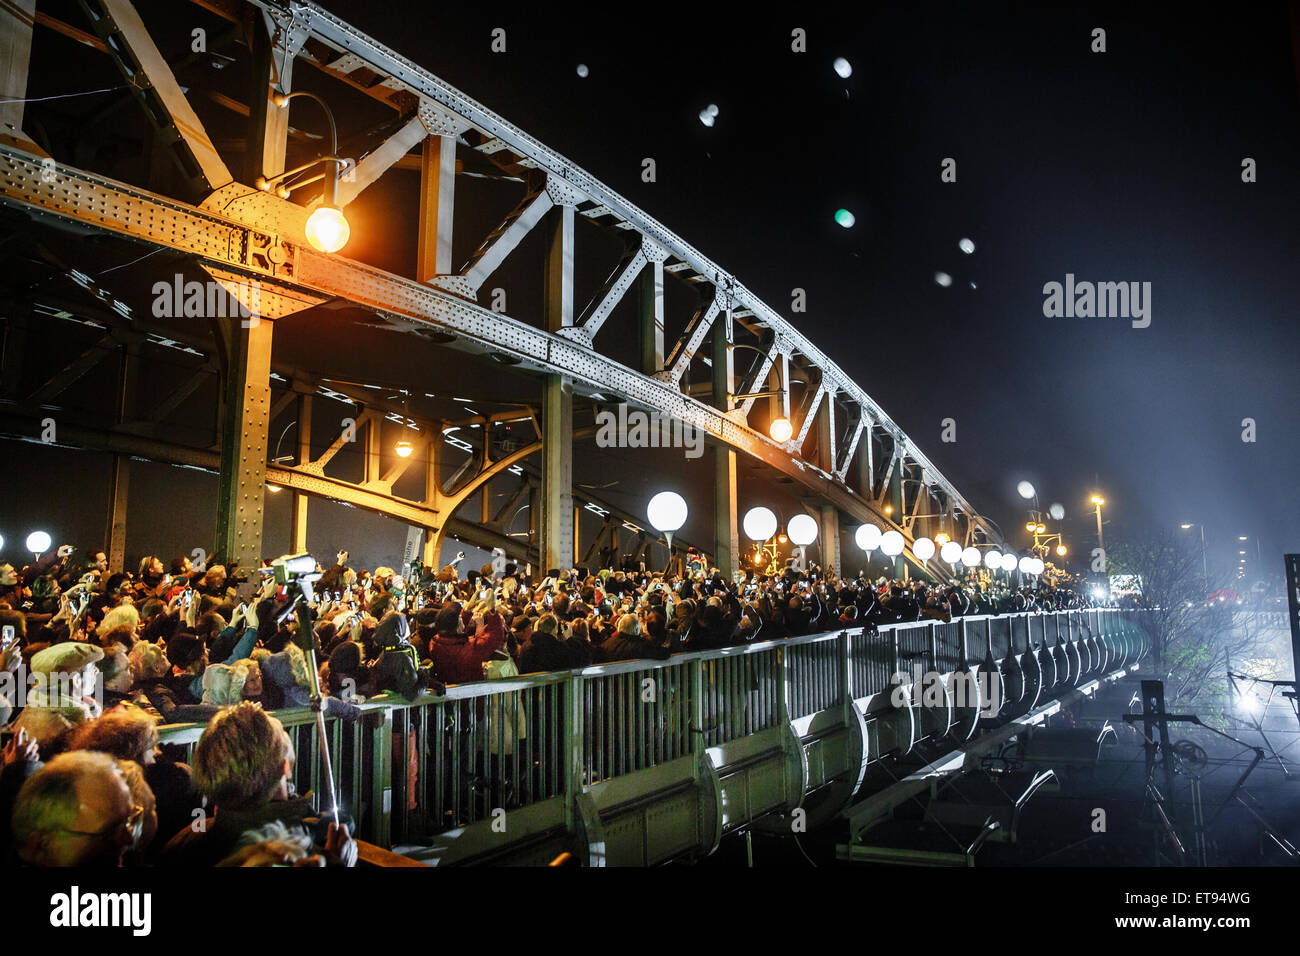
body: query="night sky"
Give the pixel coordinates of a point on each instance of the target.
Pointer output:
(1115, 166)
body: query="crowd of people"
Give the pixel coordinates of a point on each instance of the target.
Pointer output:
(96, 660)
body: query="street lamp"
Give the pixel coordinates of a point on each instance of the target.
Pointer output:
(780, 428)
(404, 449)
(327, 228)
(1098, 500)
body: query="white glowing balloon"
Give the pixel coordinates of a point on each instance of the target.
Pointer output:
(2, 543)
(967, 246)
(993, 560)
(951, 552)
(971, 557)
(892, 543)
(706, 117)
(1008, 563)
(582, 70)
(1026, 565)
(1037, 567)
(666, 511)
(943, 279)
(842, 67)
(759, 524)
(802, 530)
(923, 549)
(1057, 511)
(1025, 489)
(38, 542)
(868, 537)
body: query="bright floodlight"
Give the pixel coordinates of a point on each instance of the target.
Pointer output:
(971, 557)
(845, 218)
(967, 246)
(891, 543)
(868, 537)
(802, 530)
(842, 67)
(780, 430)
(667, 511)
(582, 70)
(1008, 562)
(38, 542)
(327, 229)
(951, 552)
(993, 560)
(1057, 511)
(943, 279)
(923, 549)
(759, 524)
(1025, 490)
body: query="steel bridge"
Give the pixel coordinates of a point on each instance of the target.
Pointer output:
(729, 364)
(642, 762)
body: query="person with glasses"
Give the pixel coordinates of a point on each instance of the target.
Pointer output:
(77, 810)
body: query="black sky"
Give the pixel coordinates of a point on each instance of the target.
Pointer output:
(1115, 166)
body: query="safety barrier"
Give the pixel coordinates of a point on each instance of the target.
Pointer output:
(644, 761)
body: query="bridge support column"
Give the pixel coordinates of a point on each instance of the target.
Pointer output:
(557, 546)
(437, 202)
(115, 541)
(726, 539)
(895, 500)
(300, 499)
(17, 20)
(830, 539)
(246, 405)
(651, 283)
(272, 73)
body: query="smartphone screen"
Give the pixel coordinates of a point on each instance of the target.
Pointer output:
(8, 636)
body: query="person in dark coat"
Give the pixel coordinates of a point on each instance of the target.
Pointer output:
(545, 651)
(627, 644)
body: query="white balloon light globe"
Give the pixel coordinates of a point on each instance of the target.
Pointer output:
(867, 537)
(842, 68)
(951, 552)
(971, 557)
(1026, 565)
(583, 71)
(1025, 489)
(1057, 511)
(1008, 562)
(892, 543)
(993, 560)
(666, 511)
(38, 542)
(802, 530)
(923, 549)
(943, 279)
(2, 543)
(759, 524)
(1038, 567)
(967, 246)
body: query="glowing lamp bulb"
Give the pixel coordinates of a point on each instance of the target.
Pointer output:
(781, 430)
(404, 449)
(327, 229)
(802, 530)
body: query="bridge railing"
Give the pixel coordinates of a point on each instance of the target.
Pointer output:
(407, 771)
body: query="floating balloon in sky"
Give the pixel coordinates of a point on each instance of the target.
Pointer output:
(845, 218)
(708, 114)
(582, 70)
(1057, 511)
(967, 246)
(842, 67)
(943, 279)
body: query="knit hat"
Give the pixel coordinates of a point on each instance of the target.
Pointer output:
(448, 621)
(68, 657)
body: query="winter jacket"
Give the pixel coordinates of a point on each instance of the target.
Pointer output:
(459, 658)
(622, 647)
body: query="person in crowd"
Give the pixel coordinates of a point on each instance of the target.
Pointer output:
(78, 811)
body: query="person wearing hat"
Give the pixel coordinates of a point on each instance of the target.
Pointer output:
(61, 694)
(398, 667)
(545, 650)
